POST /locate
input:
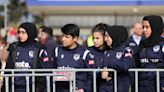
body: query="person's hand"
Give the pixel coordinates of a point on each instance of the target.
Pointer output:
(105, 74)
(80, 90)
(1, 83)
(162, 89)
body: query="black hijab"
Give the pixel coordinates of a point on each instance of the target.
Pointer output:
(118, 34)
(156, 24)
(31, 32)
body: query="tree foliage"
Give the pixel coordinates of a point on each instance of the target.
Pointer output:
(16, 9)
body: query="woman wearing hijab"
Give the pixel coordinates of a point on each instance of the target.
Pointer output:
(26, 54)
(151, 55)
(119, 57)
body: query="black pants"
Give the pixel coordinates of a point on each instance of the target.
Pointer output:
(147, 88)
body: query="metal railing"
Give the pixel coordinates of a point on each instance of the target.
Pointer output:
(147, 70)
(50, 72)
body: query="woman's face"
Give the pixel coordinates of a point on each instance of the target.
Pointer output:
(98, 39)
(146, 29)
(108, 39)
(22, 35)
(68, 41)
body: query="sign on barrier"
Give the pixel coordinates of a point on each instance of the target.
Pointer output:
(63, 76)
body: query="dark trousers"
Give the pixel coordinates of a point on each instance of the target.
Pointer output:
(107, 87)
(62, 89)
(147, 88)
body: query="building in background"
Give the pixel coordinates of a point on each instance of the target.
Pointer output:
(87, 13)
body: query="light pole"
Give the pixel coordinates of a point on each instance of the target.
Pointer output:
(5, 16)
(5, 3)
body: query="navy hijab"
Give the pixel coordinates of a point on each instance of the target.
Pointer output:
(156, 24)
(31, 30)
(118, 34)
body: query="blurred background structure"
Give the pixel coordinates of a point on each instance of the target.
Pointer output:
(85, 13)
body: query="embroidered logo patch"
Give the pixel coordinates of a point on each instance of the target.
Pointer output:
(118, 55)
(31, 54)
(62, 56)
(76, 57)
(156, 48)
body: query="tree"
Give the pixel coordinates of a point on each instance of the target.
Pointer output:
(1, 21)
(16, 9)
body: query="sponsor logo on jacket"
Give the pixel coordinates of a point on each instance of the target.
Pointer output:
(22, 64)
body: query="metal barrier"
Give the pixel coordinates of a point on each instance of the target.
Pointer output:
(50, 72)
(147, 70)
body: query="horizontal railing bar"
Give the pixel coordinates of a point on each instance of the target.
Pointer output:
(78, 70)
(52, 70)
(146, 70)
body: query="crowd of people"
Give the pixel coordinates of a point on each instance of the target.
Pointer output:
(113, 49)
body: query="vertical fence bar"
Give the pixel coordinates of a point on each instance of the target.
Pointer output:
(48, 83)
(12, 82)
(74, 81)
(7, 84)
(94, 81)
(136, 81)
(33, 81)
(158, 81)
(70, 86)
(53, 78)
(115, 81)
(5, 15)
(27, 84)
(54, 86)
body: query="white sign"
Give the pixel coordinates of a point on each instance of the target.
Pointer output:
(63, 76)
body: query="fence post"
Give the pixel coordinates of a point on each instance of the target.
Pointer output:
(115, 81)
(12, 81)
(7, 84)
(94, 81)
(158, 81)
(136, 81)
(74, 81)
(33, 81)
(27, 84)
(54, 85)
(48, 83)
